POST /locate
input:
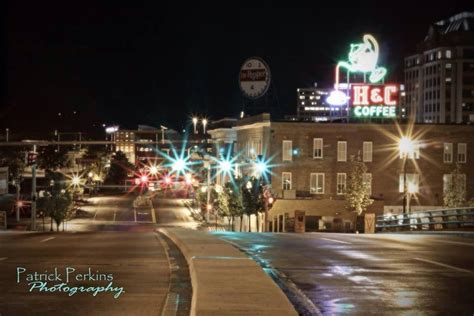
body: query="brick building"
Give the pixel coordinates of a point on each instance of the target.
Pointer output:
(311, 162)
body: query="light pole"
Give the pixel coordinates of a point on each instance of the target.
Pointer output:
(405, 146)
(204, 124)
(195, 120)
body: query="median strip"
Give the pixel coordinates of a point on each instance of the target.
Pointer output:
(225, 281)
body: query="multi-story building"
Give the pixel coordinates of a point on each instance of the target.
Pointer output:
(312, 106)
(310, 163)
(439, 77)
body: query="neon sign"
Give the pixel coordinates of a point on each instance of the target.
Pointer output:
(369, 100)
(363, 58)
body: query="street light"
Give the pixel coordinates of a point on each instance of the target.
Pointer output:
(406, 148)
(204, 124)
(76, 180)
(153, 170)
(195, 120)
(179, 165)
(412, 189)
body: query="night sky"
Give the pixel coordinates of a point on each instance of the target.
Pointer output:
(160, 63)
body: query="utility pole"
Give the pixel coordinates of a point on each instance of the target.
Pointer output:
(33, 193)
(17, 185)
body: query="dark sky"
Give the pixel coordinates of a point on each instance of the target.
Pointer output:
(158, 63)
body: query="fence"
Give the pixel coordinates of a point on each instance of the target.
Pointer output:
(455, 218)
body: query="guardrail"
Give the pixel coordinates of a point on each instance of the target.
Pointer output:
(453, 218)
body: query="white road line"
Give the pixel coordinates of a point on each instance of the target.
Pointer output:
(3, 258)
(115, 214)
(46, 239)
(457, 243)
(444, 265)
(339, 241)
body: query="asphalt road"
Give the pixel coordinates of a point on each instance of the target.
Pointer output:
(136, 261)
(372, 274)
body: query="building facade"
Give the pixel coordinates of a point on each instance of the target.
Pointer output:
(313, 161)
(439, 77)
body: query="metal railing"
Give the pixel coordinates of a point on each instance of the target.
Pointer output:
(453, 218)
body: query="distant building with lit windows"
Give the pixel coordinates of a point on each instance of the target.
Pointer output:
(312, 106)
(439, 78)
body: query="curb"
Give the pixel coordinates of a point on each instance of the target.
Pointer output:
(224, 280)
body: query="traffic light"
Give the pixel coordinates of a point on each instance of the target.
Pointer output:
(31, 157)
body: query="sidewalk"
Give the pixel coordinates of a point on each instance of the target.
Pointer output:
(225, 281)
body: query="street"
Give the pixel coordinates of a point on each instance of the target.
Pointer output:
(371, 274)
(137, 262)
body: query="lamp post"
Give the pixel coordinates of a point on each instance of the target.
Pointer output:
(405, 146)
(204, 124)
(195, 120)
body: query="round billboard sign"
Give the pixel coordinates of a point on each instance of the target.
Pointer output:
(254, 77)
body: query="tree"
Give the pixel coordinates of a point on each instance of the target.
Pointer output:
(455, 192)
(234, 197)
(357, 190)
(14, 159)
(119, 169)
(252, 197)
(57, 205)
(49, 158)
(98, 159)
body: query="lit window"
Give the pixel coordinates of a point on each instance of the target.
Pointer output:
(448, 53)
(367, 180)
(413, 179)
(302, 103)
(301, 97)
(318, 148)
(439, 54)
(448, 153)
(287, 150)
(448, 79)
(341, 183)
(462, 152)
(286, 180)
(367, 151)
(316, 185)
(341, 151)
(448, 65)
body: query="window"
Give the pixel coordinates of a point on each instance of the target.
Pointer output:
(318, 148)
(413, 179)
(367, 151)
(448, 153)
(448, 53)
(341, 151)
(367, 180)
(462, 152)
(448, 182)
(287, 150)
(341, 183)
(316, 185)
(414, 153)
(286, 180)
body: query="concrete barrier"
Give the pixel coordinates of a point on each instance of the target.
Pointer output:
(225, 281)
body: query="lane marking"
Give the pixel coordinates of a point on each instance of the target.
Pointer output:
(444, 265)
(153, 216)
(95, 215)
(3, 258)
(115, 214)
(457, 243)
(135, 214)
(46, 239)
(339, 241)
